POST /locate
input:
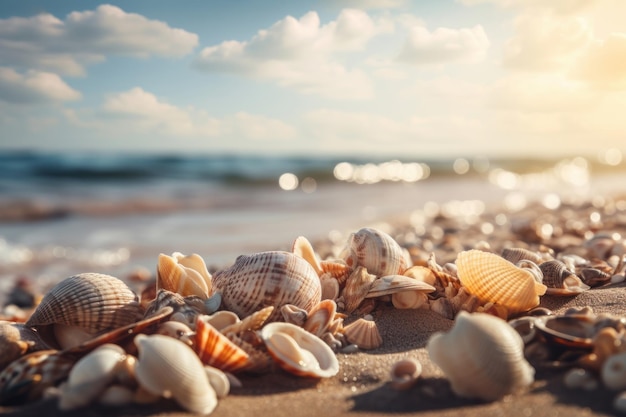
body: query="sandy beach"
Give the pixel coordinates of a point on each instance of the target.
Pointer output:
(362, 385)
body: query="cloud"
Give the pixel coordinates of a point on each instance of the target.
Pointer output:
(34, 87)
(83, 38)
(557, 6)
(444, 45)
(372, 4)
(604, 63)
(298, 53)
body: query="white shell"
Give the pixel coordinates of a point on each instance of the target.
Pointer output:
(185, 275)
(376, 251)
(482, 356)
(404, 373)
(298, 351)
(218, 380)
(169, 368)
(613, 372)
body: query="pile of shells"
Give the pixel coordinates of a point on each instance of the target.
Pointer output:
(91, 338)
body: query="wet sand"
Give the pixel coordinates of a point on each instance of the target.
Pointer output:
(362, 385)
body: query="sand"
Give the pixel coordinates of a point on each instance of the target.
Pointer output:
(362, 385)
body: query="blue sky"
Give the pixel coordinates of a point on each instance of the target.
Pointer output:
(379, 77)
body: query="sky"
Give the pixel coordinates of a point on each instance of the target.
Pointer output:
(438, 78)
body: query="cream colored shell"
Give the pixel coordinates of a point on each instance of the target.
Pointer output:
(494, 279)
(377, 251)
(482, 356)
(185, 275)
(364, 333)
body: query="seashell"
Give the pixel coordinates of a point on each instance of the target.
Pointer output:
(514, 255)
(177, 330)
(363, 333)
(213, 303)
(560, 280)
(186, 309)
(16, 340)
(391, 284)
(330, 287)
(222, 319)
(303, 248)
(409, 299)
(377, 251)
(357, 287)
(26, 378)
(606, 342)
(294, 314)
(421, 273)
(338, 269)
(253, 322)
(492, 278)
(599, 246)
(90, 376)
(91, 303)
(320, 317)
(268, 279)
(594, 277)
(404, 373)
(185, 275)
(116, 395)
(482, 356)
(169, 368)
(613, 372)
(574, 331)
(218, 380)
(215, 349)
(298, 351)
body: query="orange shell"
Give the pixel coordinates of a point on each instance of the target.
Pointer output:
(215, 349)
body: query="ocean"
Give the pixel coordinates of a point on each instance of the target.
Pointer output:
(66, 213)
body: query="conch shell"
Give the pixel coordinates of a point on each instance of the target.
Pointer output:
(482, 356)
(185, 275)
(494, 279)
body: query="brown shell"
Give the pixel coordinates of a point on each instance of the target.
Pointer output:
(17, 340)
(265, 279)
(94, 302)
(215, 349)
(376, 251)
(560, 280)
(357, 286)
(514, 255)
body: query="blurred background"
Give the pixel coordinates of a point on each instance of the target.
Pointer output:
(134, 128)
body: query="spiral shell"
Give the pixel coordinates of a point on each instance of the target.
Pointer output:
(169, 368)
(494, 279)
(482, 356)
(16, 340)
(185, 275)
(363, 333)
(560, 280)
(514, 255)
(265, 279)
(90, 302)
(215, 349)
(376, 251)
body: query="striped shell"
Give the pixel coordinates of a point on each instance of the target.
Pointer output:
(560, 280)
(482, 356)
(169, 368)
(363, 333)
(376, 251)
(185, 275)
(91, 302)
(267, 279)
(215, 349)
(494, 279)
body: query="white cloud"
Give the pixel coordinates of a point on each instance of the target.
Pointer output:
(372, 4)
(604, 63)
(66, 46)
(34, 87)
(298, 53)
(444, 45)
(558, 6)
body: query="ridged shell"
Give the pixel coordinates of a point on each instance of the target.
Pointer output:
(357, 287)
(376, 251)
(215, 349)
(169, 368)
(494, 279)
(514, 255)
(298, 351)
(185, 275)
(90, 301)
(391, 284)
(482, 356)
(267, 279)
(560, 280)
(363, 333)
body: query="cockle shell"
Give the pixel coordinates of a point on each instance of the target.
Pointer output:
(169, 368)
(298, 351)
(482, 356)
(404, 373)
(90, 302)
(215, 349)
(493, 278)
(560, 280)
(376, 251)
(185, 275)
(265, 279)
(364, 333)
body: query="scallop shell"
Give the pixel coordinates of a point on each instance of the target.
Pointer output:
(357, 287)
(482, 356)
(320, 317)
(215, 349)
(376, 251)
(404, 373)
(560, 280)
(169, 368)
(185, 275)
(493, 278)
(267, 279)
(364, 333)
(298, 351)
(91, 302)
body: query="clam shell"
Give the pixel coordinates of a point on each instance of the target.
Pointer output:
(482, 356)
(303, 248)
(574, 331)
(409, 299)
(363, 333)
(169, 368)
(89, 301)
(560, 280)
(298, 351)
(404, 373)
(253, 322)
(357, 287)
(376, 251)
(215, 349)
(320, 317)
(392, 284)
(268, 279)
(185, 275)
(494, 279)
